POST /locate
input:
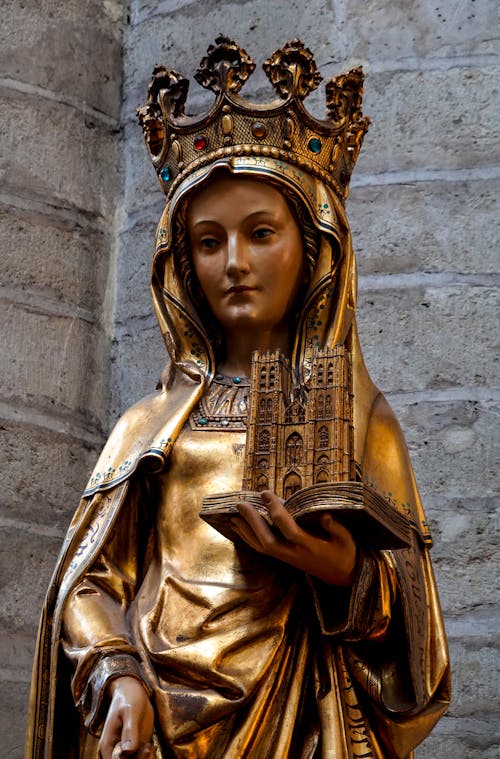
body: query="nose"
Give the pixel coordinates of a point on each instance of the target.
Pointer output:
(237, 259)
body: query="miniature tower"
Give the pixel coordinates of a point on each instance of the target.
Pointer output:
(292, 444)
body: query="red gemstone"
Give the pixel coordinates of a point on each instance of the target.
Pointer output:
(200, 142)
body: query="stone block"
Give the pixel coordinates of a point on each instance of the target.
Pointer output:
(178, 34)
(139, 357)
(463, 585)
(465, 531)
(53, 257)
(454, 451)
(430, 119)
(55, 154)
(426, 226)
(54, 361)
(461, 739)
(13, 710)
(407, 31)
(136, 245)
(17, 649)
(143, 196)
(26, 563)
(418, 338)
(72, 49)
(44, 484)
(475, 679)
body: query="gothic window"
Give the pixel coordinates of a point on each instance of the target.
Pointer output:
(323, 460)
(320, 374)
(291, 484)
(295, 413)
(263, 464)
(294, 449)
(323, 437)
(272, 376)
(263, 378)
(328, 405)
(321, 407)
(330, 373)
(322, 476)
(264, 440)
(262, 483)
(269, 410)
(262, 410)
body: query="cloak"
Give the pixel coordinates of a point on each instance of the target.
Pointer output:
(377, 695)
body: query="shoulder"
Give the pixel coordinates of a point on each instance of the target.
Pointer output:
(386, 463)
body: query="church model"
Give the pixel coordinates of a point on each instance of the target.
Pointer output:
(295, 441)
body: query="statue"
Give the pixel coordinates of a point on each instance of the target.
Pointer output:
(160, 636)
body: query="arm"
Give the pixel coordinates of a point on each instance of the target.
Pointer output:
(108, 683)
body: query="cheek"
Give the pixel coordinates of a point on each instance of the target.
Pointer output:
(204, 271)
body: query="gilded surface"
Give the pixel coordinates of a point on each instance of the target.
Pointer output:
(242, 655)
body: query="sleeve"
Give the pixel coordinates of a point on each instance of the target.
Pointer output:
(96, 635)
(389, 624)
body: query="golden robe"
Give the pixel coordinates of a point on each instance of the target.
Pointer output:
(243, 656)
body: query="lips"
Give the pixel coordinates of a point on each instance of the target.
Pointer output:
(236, 289)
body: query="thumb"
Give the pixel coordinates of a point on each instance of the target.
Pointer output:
(130, 734)
(330, 525)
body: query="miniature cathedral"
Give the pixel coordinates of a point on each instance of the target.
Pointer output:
(294, 442)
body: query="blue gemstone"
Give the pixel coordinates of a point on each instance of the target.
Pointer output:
(236, 380)
(203, 420)
(165, 174)
(314, 145)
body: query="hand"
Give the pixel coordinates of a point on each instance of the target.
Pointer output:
(128, 729)
(331, 559)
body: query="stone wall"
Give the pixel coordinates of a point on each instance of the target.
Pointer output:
(80, 207)
(60, 93)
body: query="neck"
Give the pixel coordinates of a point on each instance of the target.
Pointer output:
(240, 344)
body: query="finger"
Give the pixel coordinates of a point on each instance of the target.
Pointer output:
(245, 532)
(333, 528)
(262, 533)
(282, 519)
(147, 751)
(130, 732)
(110, 739)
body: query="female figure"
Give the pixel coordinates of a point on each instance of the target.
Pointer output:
(293, 644)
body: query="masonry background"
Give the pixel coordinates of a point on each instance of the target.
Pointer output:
(78, 207)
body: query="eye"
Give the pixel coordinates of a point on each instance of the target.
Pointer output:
(208, 243)
(261, 233)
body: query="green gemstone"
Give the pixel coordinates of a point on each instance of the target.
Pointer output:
(314, 145)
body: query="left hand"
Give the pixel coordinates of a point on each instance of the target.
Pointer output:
(331, 559)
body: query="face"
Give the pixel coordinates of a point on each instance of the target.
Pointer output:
(247, 252)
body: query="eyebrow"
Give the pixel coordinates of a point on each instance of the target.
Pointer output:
(261, 212)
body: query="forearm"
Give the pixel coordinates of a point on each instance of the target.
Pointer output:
(96, 633)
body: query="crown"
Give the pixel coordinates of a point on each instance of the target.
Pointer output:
(283, 129)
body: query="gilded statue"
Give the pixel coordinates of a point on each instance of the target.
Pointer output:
(162, 637)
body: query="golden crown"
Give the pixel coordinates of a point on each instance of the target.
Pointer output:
(283, 129)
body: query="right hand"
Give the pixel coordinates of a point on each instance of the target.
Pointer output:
(128, 729)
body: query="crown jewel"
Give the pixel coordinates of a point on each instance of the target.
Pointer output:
(282, 129)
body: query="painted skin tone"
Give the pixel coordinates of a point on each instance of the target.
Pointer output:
(248, 257)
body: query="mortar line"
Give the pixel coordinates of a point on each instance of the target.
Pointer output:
(67, 424)
(32, 301)
(32, 528)
(26, 88)
(50, 209)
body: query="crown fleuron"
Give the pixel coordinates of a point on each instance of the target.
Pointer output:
(283, 129)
